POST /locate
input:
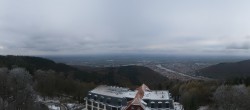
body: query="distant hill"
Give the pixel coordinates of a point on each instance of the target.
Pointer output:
(226, 70)
(123, 76)
(33, 63)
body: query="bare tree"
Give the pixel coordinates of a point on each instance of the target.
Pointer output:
(232, 98)
(23, 91)
(16, 90)
(4, 88)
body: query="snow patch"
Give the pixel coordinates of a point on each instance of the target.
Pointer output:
(53, 107)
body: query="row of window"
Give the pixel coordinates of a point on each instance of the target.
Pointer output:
(152, 105)
(102, 107)
(108, 100)
(160, 105)
(95, 104)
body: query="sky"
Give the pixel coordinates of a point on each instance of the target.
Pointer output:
(78, 27)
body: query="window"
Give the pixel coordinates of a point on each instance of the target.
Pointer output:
(89, 103)
(128, 99)
(108, 108)
(108, 100)
(89, 96)
(95, 104)
(95, 97)
(119, 102)
(101, 106)
(152, 105)
(147, 101)
(167, 105)
(159, 105)
(101, 99)
(89, 107)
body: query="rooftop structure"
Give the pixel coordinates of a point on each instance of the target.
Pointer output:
(137, 102)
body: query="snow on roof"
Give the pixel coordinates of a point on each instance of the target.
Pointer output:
(153, 95)
(120, 92)
(112, 91)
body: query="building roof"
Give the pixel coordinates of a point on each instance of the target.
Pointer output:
(120, 92)
(153, 95)
(112, 91)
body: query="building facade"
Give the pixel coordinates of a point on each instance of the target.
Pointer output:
(117, 98)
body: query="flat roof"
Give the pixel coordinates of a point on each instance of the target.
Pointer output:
(153, 95)
(121, 92)
(112, 91)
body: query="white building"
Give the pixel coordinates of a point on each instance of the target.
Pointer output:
(117, 98)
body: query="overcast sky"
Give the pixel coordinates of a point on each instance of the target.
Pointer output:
(62, 27)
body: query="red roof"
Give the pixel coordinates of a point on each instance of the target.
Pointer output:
(138, 97)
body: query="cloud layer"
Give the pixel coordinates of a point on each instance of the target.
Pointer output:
(59, 27)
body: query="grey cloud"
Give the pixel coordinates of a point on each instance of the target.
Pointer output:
(80, 27)
(244, 46)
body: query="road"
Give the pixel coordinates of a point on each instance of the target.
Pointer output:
(171, 74)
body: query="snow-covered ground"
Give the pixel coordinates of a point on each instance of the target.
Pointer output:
(56, 104)
(204, 108)
(73, 106)
(178, 106)
(53, 107)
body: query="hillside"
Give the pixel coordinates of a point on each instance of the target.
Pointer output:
(226, 70)
(123, 76)
(33, 63)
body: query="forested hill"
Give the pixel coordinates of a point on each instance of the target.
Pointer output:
(226, 70)
(123, 76)
(33, 63)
